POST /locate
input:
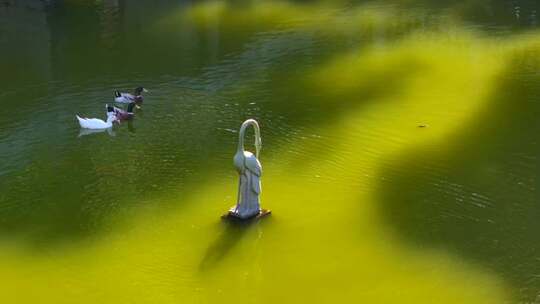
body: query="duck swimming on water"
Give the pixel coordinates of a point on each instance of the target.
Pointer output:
(121, 114)
(136, 97)
(97, 124)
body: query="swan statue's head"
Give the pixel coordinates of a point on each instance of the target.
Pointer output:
(241, 155)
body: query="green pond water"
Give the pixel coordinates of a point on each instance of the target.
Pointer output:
(400, 151)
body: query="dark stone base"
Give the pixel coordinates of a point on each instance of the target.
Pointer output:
(233, 217)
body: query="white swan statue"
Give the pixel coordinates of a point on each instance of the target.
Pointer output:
(249, 170)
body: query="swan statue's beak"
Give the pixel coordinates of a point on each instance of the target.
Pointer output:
(258, 146)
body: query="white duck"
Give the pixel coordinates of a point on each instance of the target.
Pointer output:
(97, 124)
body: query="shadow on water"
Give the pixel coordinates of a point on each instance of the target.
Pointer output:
(497, 16)
(315, 105)
(233, 231)
(478, 196)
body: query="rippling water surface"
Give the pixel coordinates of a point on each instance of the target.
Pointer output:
(400, 151)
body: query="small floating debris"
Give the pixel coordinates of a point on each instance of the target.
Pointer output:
(423, 125)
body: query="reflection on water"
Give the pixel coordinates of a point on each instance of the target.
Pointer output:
(84, 132)
(366, 205)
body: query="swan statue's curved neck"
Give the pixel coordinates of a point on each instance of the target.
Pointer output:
(245, 125)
